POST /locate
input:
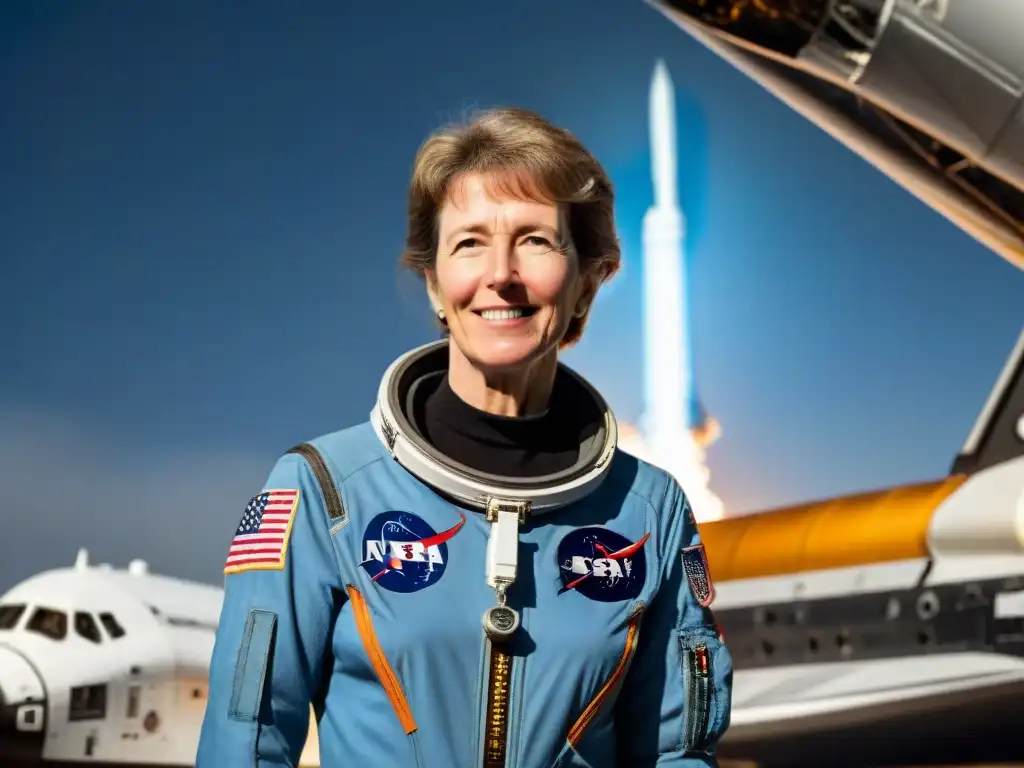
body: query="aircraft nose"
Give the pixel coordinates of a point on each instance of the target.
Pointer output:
(22, 711)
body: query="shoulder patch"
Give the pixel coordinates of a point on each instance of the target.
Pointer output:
(695, 564)
(261, 540)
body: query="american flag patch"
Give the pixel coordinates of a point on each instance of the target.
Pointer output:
(261, 540)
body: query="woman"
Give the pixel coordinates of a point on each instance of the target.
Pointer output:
(476, 576)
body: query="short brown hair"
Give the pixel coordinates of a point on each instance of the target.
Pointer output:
(540, 160)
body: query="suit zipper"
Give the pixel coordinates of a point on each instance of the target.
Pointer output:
(612, 683)
(386, 675)
(698, 699)
(500, 663)
(496, 715)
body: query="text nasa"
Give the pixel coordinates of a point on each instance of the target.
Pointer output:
(601, 567)
(394, 552)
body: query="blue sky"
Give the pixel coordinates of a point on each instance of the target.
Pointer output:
(202, 207)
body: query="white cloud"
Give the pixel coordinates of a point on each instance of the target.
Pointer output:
(62, 486)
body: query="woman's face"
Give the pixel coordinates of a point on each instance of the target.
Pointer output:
(507, 292)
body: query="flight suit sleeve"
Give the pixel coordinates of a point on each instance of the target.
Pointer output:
(675, 702)
(272, 651)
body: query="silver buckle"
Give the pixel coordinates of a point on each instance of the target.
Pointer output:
(494, 506)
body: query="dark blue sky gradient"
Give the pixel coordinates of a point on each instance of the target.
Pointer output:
(201, 207)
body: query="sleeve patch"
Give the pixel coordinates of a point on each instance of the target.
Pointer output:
(251, 666)
(261, 540)
(695, 564)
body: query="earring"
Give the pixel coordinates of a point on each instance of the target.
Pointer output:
(441, 317)
(581, 309)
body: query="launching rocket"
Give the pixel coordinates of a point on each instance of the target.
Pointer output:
(671, 407)
(675, 429)
(668, 382)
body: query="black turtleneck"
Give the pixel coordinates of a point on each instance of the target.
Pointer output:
(528, 446)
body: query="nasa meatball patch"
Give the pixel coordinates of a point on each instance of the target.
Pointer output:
(402, 553)
(695, 564)
(602, 565)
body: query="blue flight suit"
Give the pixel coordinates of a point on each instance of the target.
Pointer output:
(373, 612)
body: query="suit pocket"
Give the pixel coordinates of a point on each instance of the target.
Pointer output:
(707, 675)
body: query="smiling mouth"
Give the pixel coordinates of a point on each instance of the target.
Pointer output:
(507, 313)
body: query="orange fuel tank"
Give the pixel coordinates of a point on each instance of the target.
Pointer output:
(865, 528)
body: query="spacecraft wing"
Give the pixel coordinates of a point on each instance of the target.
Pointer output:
(801, 700)
(882, 712)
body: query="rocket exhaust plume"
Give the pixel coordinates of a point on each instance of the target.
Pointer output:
(675, 431)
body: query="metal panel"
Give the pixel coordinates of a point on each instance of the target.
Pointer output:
(926, 76)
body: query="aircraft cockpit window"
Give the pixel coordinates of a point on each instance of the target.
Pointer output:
(113, 627)
(46, 621)
(85, 626)
(10, 615)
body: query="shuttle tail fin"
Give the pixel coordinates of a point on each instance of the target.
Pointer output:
(998, 434)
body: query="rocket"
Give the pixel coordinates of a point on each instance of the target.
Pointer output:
(662, 126)
(674, 428)
(672, 410)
